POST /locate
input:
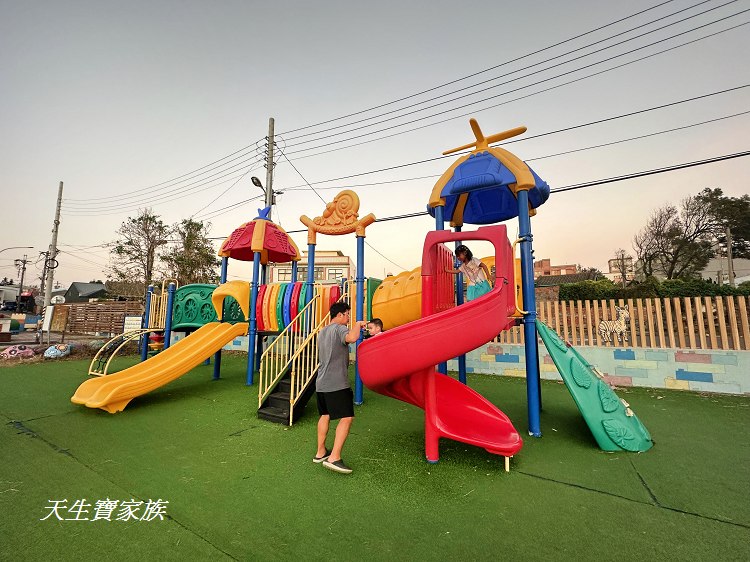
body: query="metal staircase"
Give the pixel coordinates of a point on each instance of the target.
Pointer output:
(289, 365)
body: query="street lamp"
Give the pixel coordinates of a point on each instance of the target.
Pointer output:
(17, 247)
(256, 183)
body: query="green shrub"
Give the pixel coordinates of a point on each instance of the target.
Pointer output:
(588, 290)
(605, 289)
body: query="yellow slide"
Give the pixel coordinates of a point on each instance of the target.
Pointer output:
(113, 392)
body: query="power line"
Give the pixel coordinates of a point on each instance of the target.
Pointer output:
(173, 179)
(652, 172)
(593, 183)
(179, 191)
(217, 212)
(116, 210)
(479, 110)
(82, 259)
(220, 194)
(203, 169)
(539, 82)
(303, 177)
(513, 72)
(479, 72)
(547, 155)
(324, 202)
(544, 134)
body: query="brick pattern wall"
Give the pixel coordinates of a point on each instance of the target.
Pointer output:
(706, 371)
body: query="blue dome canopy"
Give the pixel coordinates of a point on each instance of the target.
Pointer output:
(481, 191)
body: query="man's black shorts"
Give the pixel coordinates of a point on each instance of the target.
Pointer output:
(337, 404)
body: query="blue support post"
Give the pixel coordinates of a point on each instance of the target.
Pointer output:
(533, 386)
(295, 272)
(217, 355)
(360, 305)
(459, 302)
(146, 317)
(253, 320)
(168, 322)
(440, 225)
(310, 271)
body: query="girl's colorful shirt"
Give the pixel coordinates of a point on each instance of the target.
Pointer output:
(473, 271)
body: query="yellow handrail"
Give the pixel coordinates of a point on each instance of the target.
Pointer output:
(127, 337)
(299, 336)
(515, 292)
(305, 366)
(277, 357)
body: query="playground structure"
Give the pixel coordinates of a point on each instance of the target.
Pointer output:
(157, 322)
(425, 318)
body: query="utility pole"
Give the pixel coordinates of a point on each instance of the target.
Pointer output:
(52, 250)
(43, 276)
(22, 265)
(730, 269)
(269, 166)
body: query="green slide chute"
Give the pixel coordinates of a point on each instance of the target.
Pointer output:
(613, 424)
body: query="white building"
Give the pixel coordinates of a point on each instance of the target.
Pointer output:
(717, 270)
(330, 267)
(615, 266)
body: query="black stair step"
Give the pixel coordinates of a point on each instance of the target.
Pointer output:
(278, 400)
(285, 385)
(271, 413)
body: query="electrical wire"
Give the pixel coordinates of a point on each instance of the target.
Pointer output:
(458, 98)
(539, 135)
(180, 191)
(479, 72)
(118, 210)
(479, 110)
(220, 195)
(81, 258)
(324, 202)
(149, 187)
(593, 183)
(217, 212)
(184, 177)
(535, 158)
(652, 172)
(540, 82)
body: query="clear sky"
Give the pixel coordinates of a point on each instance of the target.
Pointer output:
(114, 97)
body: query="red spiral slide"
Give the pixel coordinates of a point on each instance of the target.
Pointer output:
(401, 362)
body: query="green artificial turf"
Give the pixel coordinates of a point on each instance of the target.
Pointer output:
(242, 488)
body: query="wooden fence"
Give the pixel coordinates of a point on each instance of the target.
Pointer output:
(97, 318)
(684, 322)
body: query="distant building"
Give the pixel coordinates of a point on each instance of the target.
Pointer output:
(84, 292)
(615, 266)
(717, 270)
(330, 267)
(544, 267)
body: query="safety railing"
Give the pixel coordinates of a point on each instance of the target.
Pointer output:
(278, 356)
(294, 350)
(100, 363)
(305, 362)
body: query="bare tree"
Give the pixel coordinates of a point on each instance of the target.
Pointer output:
(192, 259)
(622, 264)
(676, 242)
(133, 255)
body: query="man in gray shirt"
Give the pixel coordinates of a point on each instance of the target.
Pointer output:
(334, 393)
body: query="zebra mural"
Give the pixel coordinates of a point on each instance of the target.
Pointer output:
(618, 326)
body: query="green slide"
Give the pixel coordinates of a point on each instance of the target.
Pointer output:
(613, 423)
